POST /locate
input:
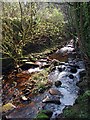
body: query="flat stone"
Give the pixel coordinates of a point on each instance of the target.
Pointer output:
(24, 99)
(53, 91)
(54, 100)
(58, 83)
(28, 65)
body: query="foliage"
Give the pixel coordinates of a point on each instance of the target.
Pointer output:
(25, 23)
(79, 110)
(41, 115)
(41, 79)
(79, 24)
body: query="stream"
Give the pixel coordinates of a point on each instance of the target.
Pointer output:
(64, 90)
(68, 89)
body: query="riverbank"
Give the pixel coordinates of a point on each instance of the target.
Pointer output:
(81, 109)
(48, 94)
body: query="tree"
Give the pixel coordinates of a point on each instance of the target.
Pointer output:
(81, 20)
(29, 23)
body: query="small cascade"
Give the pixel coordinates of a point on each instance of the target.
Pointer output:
(68, 78)
(64, 78)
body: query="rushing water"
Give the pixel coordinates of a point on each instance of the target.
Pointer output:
(68, 88)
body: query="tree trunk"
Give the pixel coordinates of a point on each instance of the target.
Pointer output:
(81, 27)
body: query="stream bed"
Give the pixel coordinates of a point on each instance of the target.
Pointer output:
(62, 94)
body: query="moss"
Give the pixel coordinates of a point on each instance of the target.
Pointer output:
(41, 79)
(69, 113)
(79, 110)
(87, 93)
(42, 115)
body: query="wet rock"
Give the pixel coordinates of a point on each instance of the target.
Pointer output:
(61, 63)
(82, 74)
(60, 69)
(54, 100)
(29, 65)
(26, 92)
(58, 83)
(55, 62)
(52, 69)
(71, 76)
(41, 90)
(53, 91)
(49, 84)
(73, 70)
(32, 70)
(45, 66)
(43, 60)
(59, 56)
(25, 99)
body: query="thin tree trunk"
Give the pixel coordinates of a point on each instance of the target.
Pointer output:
(81, 27)
(76, 23)
(21, 14)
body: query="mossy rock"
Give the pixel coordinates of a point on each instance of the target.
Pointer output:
(42, 115)
(7, 107)
(79, 110)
